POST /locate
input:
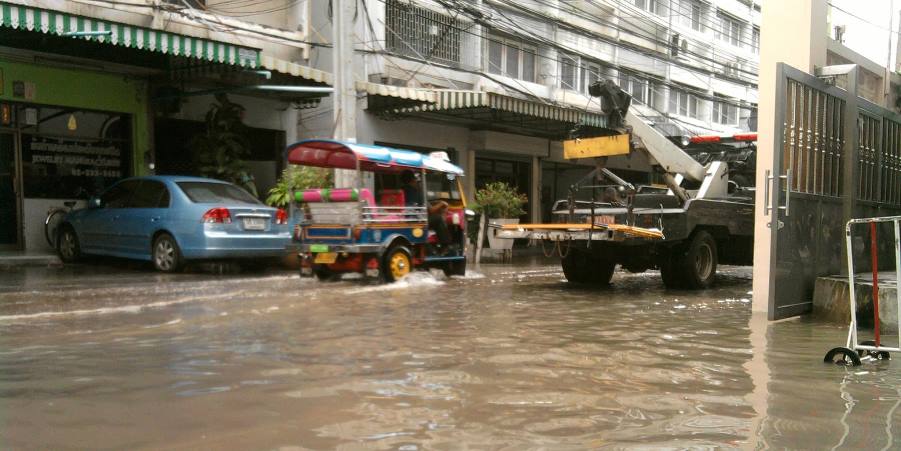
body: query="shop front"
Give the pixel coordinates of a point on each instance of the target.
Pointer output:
(65, 134)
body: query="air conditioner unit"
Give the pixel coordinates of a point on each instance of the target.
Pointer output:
(730, 69)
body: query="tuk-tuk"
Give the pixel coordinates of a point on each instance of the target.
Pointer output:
(409, 214)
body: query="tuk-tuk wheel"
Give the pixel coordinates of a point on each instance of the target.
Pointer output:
(397, 263)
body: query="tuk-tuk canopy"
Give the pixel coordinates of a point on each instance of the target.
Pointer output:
(326, 153)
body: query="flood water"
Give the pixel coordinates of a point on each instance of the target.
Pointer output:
(510, 357)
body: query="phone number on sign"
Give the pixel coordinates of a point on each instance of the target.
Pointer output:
(96, 173)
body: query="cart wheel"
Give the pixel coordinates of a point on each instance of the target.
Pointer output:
(881, 355)
(842, 356)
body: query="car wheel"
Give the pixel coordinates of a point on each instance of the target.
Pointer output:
(166, 254)
(397, 263)
(67, 245)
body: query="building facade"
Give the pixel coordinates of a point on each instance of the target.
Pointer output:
(511, 79)
(94, 91)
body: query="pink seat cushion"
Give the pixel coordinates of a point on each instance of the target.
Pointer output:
(335, 195)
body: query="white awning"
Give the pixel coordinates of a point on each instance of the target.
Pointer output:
(297, 70)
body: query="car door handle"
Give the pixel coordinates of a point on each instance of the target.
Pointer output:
(155, 219)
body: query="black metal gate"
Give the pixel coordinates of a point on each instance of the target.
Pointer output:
(836, 157)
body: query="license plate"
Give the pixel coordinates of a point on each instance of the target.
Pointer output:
(326, 257)
(318, 248)
(254, 224)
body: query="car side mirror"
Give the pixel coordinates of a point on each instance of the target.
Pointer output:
(95, 202)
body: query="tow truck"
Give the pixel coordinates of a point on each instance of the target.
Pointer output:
(697, 220)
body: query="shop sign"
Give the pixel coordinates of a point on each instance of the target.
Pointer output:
(57, 167)
(78, 158)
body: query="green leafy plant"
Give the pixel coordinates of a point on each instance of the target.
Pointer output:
(218, 152)
(296, 178)
(499, 200)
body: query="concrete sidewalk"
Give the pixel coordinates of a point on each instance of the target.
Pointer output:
(832, 303)
(12, 259)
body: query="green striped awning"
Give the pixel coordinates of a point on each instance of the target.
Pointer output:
(59, 23)
(453, 100)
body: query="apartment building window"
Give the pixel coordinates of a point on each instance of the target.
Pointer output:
(647, 5)
(417, 32)
(725, 113)
(591, 73)
(683, 103)
(730, 29)
(689, 13)
(755, 40)
(640, 88)
(511, 58)
(569, 72)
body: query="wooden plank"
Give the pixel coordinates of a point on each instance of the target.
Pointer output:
(548, 226)
(603, 146)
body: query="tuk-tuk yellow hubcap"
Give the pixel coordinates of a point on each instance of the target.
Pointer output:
(399, 264)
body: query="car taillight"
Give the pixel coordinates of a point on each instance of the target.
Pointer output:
(281, 216)
(217, 216)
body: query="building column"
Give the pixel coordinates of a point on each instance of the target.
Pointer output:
(535, 191)
(794, 33)
(469, 167)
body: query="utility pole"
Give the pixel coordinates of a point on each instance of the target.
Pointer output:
(344, 96)
(887, 85)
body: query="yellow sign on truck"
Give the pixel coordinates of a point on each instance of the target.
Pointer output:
(603, 146)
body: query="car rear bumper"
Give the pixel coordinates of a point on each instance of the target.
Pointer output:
(217, 244)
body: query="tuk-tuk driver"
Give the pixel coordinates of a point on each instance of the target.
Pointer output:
(413, 198)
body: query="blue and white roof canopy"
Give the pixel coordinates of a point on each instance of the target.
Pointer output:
(326, 153)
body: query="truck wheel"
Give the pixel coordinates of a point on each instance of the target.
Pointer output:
(396, 264)
(699, 262)
(574, 267)
(580, 267)
(669, 270)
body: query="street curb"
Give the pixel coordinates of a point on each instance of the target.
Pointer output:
(17, 261)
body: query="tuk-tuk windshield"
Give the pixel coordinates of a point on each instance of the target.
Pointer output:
(443, 186)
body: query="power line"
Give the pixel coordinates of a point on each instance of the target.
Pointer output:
(580, 65)
(612, 41)
(709, 24)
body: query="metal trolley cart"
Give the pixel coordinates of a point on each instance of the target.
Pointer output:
(851, 353)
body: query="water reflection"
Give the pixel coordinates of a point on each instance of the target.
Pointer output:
(509, 358)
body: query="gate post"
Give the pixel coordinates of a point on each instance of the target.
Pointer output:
(850, 163)
(792, 33)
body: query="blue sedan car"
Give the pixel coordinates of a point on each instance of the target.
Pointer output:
(170, 219)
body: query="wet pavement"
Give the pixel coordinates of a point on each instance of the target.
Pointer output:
(509, 357)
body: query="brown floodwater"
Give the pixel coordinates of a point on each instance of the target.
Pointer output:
(510, 357)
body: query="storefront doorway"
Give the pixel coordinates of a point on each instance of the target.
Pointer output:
(50, 155)
(9, 202)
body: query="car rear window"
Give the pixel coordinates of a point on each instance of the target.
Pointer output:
(216, 193)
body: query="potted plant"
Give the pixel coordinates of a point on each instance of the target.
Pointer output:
(219, 151)
(293, 179)
(501, 204)
(296, 178)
